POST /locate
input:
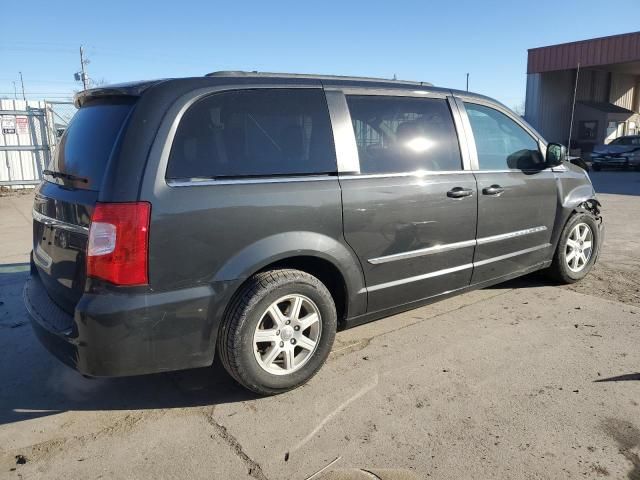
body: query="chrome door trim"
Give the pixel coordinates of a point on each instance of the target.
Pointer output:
(343, 137)
(421, 252)
(510, 235)
(446, 271)
(453, 246)
(200, 182)
(55, 223)
(417, 278)
(416, 173)
(509, 255)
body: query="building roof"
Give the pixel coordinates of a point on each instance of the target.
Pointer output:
(595, 52)
(606, 107)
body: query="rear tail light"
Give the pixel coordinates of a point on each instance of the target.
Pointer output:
(118, 244)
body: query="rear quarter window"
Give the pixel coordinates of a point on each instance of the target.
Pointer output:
(88, 143)
(248, 133)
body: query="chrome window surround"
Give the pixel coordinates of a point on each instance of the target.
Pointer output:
(462, 99)
(54, 222)
(446, 271)
(172, 119)
(344, 139)
(454, 246)
(348, 163)
(343, 117)
(194, 182)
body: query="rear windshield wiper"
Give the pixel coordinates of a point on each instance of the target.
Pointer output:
(66, 176)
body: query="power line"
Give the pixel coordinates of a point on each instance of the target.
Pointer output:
(64, 82)
(40, 93)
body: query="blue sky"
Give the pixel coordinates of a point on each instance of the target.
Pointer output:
(416, 40)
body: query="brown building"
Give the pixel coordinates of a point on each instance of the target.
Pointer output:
(608, 90)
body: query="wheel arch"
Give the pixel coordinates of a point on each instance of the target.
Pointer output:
(575, 195)
(320, 255)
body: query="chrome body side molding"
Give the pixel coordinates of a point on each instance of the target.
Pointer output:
(446, 271)
(453, 246)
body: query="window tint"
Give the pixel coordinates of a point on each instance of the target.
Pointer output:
(254, 133)
(502, 143)
(626, 141)
(401, 134)
(87, 143)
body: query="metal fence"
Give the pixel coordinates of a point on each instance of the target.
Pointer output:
(29, 132)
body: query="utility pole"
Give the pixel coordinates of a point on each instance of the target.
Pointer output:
(24, 97)
(467, 82)
(83, 73)
(15, 91)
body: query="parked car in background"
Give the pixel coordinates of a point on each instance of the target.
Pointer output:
(250, 215)
(623, 152)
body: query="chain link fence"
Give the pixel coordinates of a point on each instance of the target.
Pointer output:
(61, 114)
(29, 133)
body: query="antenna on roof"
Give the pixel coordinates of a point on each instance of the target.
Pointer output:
(573, 107)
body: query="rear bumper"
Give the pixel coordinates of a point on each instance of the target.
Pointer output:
(113, 335)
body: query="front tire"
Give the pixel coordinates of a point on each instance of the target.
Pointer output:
(278, 331)
(577, 249)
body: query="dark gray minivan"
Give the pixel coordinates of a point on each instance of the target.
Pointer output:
(252, 215)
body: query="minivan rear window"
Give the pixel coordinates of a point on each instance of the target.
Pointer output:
(84, 150)
(261, 132)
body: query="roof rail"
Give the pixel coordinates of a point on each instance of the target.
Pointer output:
(241, 73)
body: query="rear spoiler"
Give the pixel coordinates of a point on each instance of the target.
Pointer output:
(133, 89)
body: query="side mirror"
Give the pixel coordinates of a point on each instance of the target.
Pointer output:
(556, 154)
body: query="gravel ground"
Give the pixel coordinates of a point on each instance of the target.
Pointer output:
(524, 380)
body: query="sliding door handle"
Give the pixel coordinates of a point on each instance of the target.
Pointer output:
(493, 190)
(459, 192)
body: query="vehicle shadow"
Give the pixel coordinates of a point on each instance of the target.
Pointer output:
(34, 384)
(617, 182)
(620, 378)
(531, 280)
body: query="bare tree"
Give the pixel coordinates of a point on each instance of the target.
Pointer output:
(100, 82)
(519, 109)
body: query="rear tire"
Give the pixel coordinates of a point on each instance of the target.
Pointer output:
(577, 249)
(278, 331)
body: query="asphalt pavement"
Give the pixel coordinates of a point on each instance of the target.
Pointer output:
(524, 380)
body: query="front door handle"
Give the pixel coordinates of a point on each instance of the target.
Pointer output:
(493, 190)
(459, 192)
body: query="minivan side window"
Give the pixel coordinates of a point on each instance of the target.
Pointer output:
(261, 132)
(404, 134)
(501, 143)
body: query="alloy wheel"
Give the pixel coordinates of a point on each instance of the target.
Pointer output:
(287, 334)
(579, 247)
